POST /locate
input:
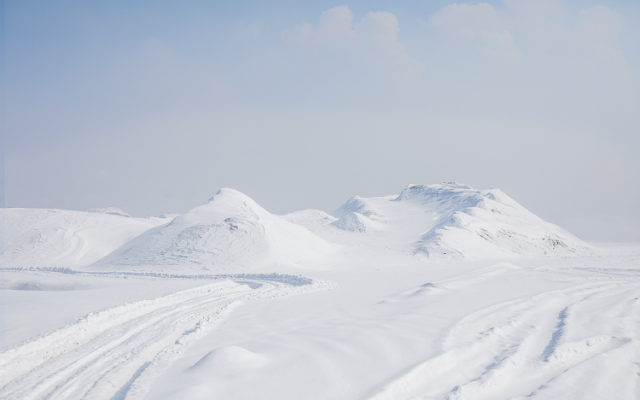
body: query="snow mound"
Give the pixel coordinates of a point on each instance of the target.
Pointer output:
(168, 216)
(356, 222)
(110, 211)
(228, 360)
(309, 218)
(62, 238)
(484, 223)
(425, 291)
(230, 230)
(356, 204)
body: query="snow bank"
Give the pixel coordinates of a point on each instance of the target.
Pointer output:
(293, 280)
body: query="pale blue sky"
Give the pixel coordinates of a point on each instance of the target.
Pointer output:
(151, 106)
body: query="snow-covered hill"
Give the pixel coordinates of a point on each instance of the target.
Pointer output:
(475, 223)
(63, 238)
(231, 230)
(447, 220)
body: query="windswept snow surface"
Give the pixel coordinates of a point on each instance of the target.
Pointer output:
(441, 292)
(42, 237)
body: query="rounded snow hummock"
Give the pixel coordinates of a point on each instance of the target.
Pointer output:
(228, 360)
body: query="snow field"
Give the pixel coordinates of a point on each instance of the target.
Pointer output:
(453, 331)
(446, 292)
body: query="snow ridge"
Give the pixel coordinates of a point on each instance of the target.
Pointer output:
(357, 204)
(110, 211)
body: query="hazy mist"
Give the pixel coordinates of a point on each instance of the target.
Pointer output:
(153, 106)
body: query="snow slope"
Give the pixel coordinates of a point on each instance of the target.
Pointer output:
(44, 237)
(231, 230)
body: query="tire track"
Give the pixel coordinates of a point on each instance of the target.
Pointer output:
(106, 352)
(512, 349)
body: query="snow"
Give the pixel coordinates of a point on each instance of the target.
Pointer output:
(42, 237)
(440, 292)
(228, 360)
(356, 222)
(110, 211)
(231, 230)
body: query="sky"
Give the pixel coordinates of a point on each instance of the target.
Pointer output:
(152, 106)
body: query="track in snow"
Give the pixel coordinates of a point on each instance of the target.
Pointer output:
(116, 353)
(587, 334)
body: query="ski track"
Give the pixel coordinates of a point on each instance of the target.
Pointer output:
(117, 353)
(518, 349)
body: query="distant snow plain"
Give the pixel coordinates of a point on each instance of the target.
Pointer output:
(441, 292)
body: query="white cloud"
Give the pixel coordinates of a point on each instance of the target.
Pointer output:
(543, 24)
(536, 12)
(479, 25)
(334, 25)
(376, 35)
(598, 58)
(598, 25)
